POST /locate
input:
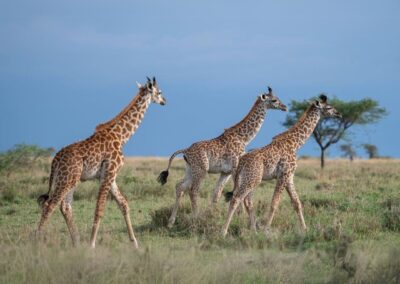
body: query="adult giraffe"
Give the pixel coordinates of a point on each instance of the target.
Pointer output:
(219, 155)
(98, 157)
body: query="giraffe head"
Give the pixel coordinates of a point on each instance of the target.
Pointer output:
(151, 89)
(270, 101)
(325, 108)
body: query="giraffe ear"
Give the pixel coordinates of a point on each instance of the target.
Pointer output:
(263, 97)
(138, 85)
(317, 103)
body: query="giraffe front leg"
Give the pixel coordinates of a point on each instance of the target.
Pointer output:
(124, 206)
(290, 188)
(280, 186)
(223, 179)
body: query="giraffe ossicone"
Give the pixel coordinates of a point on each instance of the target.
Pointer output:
(97, 157)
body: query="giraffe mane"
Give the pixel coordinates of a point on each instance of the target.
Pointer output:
(298, 122)
(110, 123)
(232, 128)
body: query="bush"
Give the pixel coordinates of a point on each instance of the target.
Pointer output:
(391, 215)
(23, 156)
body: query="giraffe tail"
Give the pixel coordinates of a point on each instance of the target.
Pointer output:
(228, 196)
(44, 197)
(163, 177)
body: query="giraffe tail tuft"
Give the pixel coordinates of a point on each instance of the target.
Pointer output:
(42, 199)
(228, 196)
(162, 178)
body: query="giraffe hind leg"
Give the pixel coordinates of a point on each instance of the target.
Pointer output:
(194, 190)
(66, 210)
(63, 182)
(181, 187)
(237, 199)
(50, 205)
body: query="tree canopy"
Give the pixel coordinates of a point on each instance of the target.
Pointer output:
(331, 130)
(371, 150)
(348, 151)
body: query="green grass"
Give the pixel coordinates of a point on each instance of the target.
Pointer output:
(352, 211)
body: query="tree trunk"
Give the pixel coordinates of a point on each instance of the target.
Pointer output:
(322, 158)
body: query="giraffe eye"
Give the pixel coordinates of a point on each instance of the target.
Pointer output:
(274, 101)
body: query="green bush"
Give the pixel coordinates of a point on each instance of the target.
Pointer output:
(23, 156)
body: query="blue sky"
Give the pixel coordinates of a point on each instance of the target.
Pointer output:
(66, 66)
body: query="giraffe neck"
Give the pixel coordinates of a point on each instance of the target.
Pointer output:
(125, 124)
(249, 126)
(304, 127)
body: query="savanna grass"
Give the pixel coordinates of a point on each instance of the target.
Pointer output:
(351, 210)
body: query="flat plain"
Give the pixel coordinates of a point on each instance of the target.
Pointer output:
(352, 210)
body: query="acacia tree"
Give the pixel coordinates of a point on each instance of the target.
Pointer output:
(330, 130)
(371, 150)
(348, 151)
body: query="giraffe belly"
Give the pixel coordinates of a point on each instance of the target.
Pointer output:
(90, 173)
(220, 166)
(270, 172)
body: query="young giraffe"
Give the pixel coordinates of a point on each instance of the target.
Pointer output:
(276, 160)
(219, 155)
(98, 157)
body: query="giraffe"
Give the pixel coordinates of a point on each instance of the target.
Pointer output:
(276, 160)
(98, 157)
(219, 155)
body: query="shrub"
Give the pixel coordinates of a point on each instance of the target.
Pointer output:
(23, 156)
(391, 215)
